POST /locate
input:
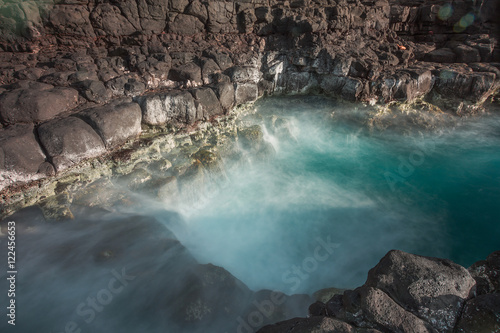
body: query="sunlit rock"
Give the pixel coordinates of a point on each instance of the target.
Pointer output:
(69, 141)
(174, 106)
(20, 155)
(116, 122)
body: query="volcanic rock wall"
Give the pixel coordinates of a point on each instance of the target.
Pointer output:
(79, 78)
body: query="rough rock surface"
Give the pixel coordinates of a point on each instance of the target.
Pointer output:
(38, 102)
(116, 122)
(177, 293)
(68, 141)
(59, 58)
(21, 157)
(175, 106)
(487, 274)
(433, 289)
(408, 293)
(481, 314)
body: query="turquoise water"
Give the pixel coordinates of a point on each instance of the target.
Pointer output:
(319, 212)
(363, 192)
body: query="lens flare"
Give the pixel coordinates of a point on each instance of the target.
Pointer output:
(464, 22)
(445, 12)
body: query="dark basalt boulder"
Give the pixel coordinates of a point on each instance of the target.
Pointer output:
(410, 293)
(405, 85)
(20, 155)
(467, 54)
(107, 20)
(177, 106)
(346, 87)
(369, 307)
(116, 122)
(207, 103)
(223, 60)
(239, 74)
(38, 102)
(480, 315)
(209, 71)
(198, 9)
(245, 93)
(189, 72)
(225, 93)
(443, 55)
(153, 69)
(462, 83)
(72, 19)
(487, 274)
(221, 17)
(94, 91)
(69, 141)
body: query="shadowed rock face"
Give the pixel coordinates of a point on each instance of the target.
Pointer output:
(155, 281)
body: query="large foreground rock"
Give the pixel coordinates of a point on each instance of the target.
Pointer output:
(433, 289)
(225, 93)
(154, 279)
(245, 93)
(69, 141)
(407, 293)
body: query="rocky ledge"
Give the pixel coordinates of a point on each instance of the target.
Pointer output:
(82, 78)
